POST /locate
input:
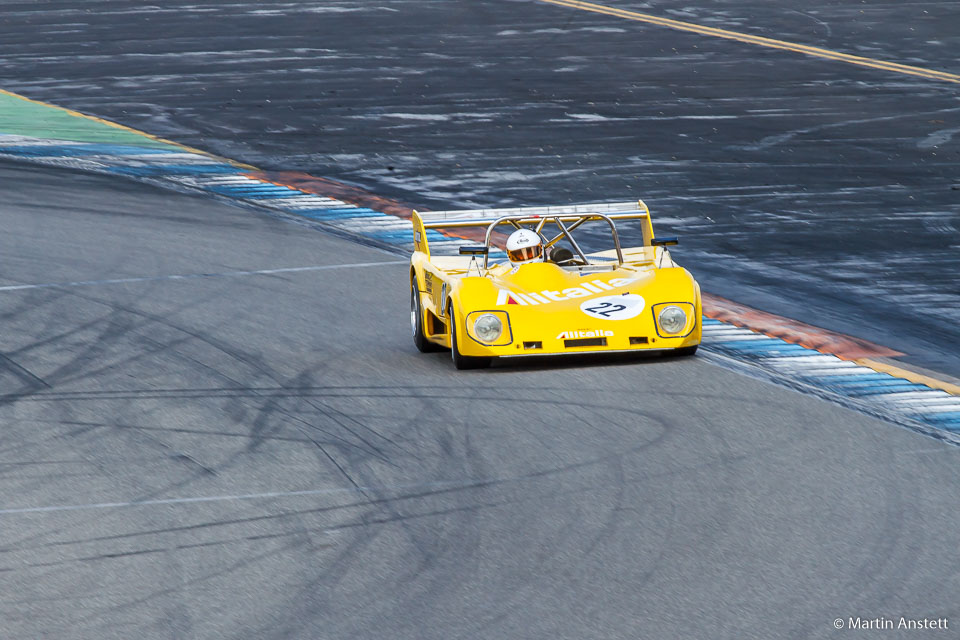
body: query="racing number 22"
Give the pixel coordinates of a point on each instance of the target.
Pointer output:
(621, 307)
(605, 309)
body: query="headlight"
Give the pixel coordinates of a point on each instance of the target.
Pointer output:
(672, 319)
(488, 327)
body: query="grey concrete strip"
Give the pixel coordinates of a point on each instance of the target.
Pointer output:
(230, 274)
(566, 499)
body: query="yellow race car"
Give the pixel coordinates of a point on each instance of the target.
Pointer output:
(536, 292)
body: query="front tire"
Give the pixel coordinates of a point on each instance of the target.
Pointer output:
(686, 351)
(416, 322)
(461, 361)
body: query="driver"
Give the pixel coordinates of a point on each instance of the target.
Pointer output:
(524, 246)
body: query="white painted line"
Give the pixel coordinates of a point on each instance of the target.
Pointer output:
(302, 196)
(192, 181)
(948, 403)
(261, 186)
(62, 161)
(726, 327)
(228, 498)
(367, 218)
(26, 141)
(733, 335)
(298, 197)
(361, 223)
(323, 205)
(268, 202)
(227, 274)
(228, 180)
(841, 369)
(303, 202)
(907, 395)
(231, 183)
(927, 409)
(115, 160)
(190, 158)
(804, 362)
(729, 337)
(386, 223)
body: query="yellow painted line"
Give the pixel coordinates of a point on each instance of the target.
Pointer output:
(758, 40)
(115, 125)
(933, 383)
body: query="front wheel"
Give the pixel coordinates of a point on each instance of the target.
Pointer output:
(462, 361)
(686, 351)
(416, 322)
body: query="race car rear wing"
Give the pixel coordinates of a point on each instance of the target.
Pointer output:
(633, 210)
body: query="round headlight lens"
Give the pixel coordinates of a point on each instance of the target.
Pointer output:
(672, 319)
(488, 327)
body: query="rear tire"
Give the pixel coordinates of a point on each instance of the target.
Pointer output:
(461, 361)
(416, 322)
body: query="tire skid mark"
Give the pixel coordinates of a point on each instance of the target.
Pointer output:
(377, 221)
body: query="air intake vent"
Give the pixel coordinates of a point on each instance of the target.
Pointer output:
(532, 345)
(638, 340)
(585, 342)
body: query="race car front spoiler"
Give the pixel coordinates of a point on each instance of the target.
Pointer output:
(599, 352)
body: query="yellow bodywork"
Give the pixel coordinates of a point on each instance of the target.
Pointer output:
(547, 309)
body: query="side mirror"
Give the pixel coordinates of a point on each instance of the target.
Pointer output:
(474, 251)
(667, 241)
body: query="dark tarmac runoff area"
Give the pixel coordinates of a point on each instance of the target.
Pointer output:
(812, 188)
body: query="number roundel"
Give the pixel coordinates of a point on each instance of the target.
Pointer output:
(621, 307)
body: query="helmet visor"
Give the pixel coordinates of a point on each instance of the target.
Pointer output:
(523, 254)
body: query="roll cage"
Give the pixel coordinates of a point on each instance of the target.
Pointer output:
(565, 218)
(518, 221)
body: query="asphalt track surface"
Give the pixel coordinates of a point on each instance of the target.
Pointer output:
(806, 187)
(267, 456)
(256, 451)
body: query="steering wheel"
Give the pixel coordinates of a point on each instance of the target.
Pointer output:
(564, 257)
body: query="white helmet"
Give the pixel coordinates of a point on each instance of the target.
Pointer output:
(523, 246)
